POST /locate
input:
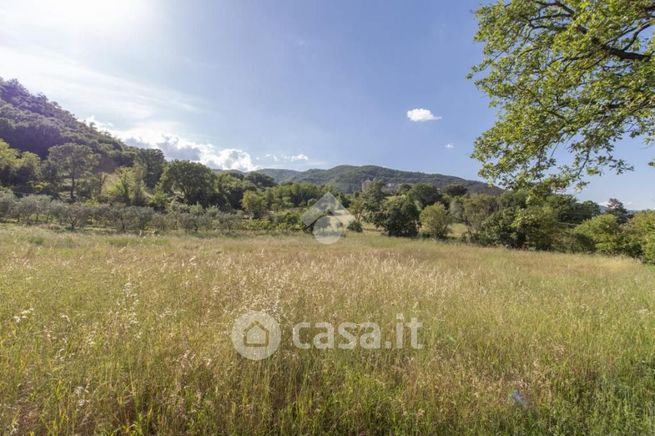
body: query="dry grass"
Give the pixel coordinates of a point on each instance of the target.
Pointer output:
(131, 335)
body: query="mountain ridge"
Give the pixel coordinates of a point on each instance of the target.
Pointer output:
(350, 178)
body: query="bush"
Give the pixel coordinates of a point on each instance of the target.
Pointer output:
(7, 203)
(355, 226)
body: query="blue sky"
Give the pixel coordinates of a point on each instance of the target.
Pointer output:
(288, 84)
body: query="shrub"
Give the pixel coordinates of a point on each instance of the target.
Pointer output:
(355, 226)
(7, 203)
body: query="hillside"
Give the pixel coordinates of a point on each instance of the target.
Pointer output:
(33, 123)
(348, 178)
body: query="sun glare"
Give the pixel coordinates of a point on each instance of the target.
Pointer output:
(92, 15)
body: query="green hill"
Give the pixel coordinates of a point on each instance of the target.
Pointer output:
(348, 178)
(33, 123)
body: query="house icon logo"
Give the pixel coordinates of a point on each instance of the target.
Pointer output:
(256, 335)
(328, 219)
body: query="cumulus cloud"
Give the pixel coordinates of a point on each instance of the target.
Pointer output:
(232, 159)
(420, 115)
(450, 146)
(156, 135)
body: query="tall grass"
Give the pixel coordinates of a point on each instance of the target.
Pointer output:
(131, 335)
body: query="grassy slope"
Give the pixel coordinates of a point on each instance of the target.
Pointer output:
(131, 334)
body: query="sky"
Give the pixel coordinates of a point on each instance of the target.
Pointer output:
(295, 84)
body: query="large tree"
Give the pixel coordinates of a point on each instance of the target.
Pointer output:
(72, 162)
(193, 182)
(573, 75)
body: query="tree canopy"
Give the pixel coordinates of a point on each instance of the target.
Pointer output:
(566, 75)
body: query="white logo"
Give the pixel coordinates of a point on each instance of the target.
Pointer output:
(256, 335)
(329, 219)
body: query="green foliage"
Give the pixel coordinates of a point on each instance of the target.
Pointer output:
(616, 208)
(602, 234)
(151, 162)
(641, 232)
(21, 171)
(350, 179)
(573, 74)
(456, 190)
(190, 182)
(32, 123)
(372, 203)
(424, 195)
(355, 226)
(539, 225)
(476, 209)
(260, 180)
(254, 204)
(400, 216)
(435, 221)
(499, 229)
(72, 162)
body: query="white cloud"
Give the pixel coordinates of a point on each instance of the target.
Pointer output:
(157, 135)
(102, 126)
(450, 146)
(287, 157)
(232, 159)
(420, 115)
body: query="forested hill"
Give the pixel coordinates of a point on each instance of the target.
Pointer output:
(33, 123)
(348, 178)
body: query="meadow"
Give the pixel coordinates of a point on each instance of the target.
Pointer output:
(131, 335)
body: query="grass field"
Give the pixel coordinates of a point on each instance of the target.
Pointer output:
(130, 334)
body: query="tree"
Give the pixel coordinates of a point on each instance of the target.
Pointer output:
(400, 216)
(254, 204)
(73, 162)
(602, 234)
(152, 163)
(373, 201)
(573, 74)
(122, 186)
(424, 195)
(8, 157)
(260, 180)
(193, 182)
(539, 225)
(641, 231)
(435, 221)
(476, 209)
(456, 190)
(616, 208)
(18, 170)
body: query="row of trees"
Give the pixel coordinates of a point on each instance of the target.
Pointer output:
(515, 219)
(67, 187)
(42, 209)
